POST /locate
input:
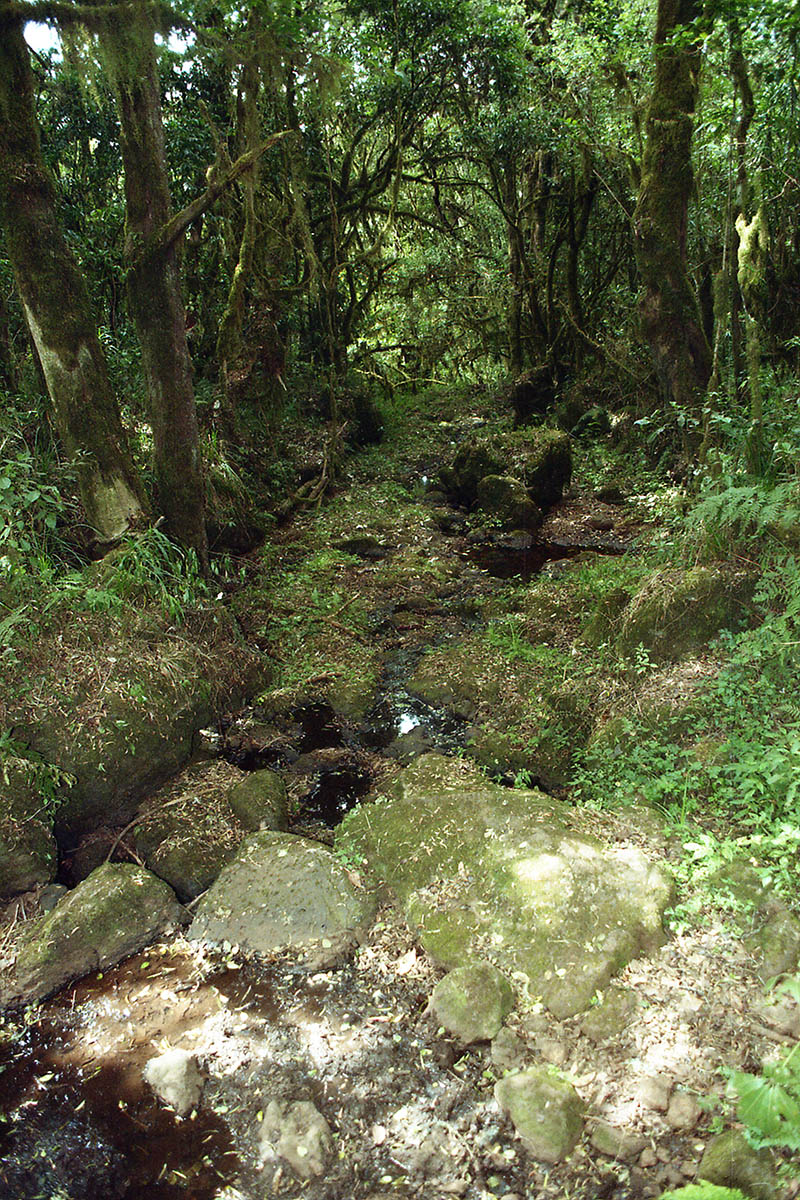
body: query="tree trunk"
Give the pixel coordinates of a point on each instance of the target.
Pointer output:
(670, 316)
(154, 278)
(58, 311)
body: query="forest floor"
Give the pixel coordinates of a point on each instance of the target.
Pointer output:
(347, 601)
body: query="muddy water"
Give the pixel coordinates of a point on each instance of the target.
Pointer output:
(76, 1119)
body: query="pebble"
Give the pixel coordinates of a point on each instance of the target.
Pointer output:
(654, 1093)
(552, 1051)
(683, 1112)
(648, 1157)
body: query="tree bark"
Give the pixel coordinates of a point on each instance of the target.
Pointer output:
(671, 321)
(57, 309)
(154, 278)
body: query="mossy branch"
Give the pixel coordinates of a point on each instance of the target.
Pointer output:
(177, 225)
(56, 12)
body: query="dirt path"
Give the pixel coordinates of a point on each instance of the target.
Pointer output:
(412, 1113)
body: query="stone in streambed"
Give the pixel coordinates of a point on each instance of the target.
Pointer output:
(298, 1133)
(487, 872)
(260, 801)
(114, 912)
(176, 1079)
(472, 1002)
(282, 891)
(546, 1111)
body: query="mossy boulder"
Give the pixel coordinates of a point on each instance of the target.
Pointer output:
(526, 716)
(28, 851)
(546, 1111)
(492, 873)
(507, 501)
(730, 1161)
(283, 891)
(472, 1002)
(260, 801)
(704, 1191)
(677, 612)
(540, 458)
(187, 832)
(116, 911)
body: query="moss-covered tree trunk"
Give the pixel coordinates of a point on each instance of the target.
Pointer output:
(154, 278)
(57, 308)
(671, 321)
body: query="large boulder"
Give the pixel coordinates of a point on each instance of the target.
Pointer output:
(187, 831)
(283, 891)
(507, 500)
(28, 852)
(116, 911)
(487, 872)
(540, 458)
(677, 612)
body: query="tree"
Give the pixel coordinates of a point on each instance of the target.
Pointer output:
(670, 315)
(57, 308)
(154, 288)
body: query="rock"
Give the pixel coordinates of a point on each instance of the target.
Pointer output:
(778, 940)
(552, 1050)
(654, 1093)
(28, 852)
(730, 1160)
(611, 1017)
(364, 547)
(683, 1111)
(260, 801)
(428, 1148)
(116, 911)
(187, 832)
(610, 493)
(472, 1002)
(648, 1157)
(677, 611)
(593, 423)
(532, 394)
(704, 1191)
(617, 1143)
(282, 891)
(175, 1078)
(298, 1133)
(546, 1111)
(540, 458)
(508, 1050)
(782, 1017)
(49, 896)
(485, 871)
(507, 500)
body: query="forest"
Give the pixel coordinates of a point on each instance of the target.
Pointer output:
(399, 599)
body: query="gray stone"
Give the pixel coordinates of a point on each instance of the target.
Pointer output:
(260, 801)
(546, 1111)
(298, 1133)
(730, 1160)
(116, 911)
(683, 1111)
(176, 1079)
(552, 1050)
(611, 1017)
(472, 1002)
(508, 1050)
(280, 892)
(617, 1143)
(654, 1093)
(484, 871)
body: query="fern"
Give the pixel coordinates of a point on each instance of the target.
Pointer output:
(746, 513)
